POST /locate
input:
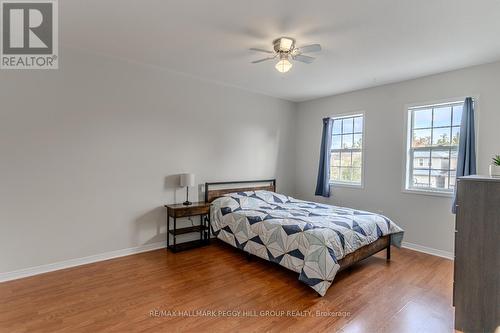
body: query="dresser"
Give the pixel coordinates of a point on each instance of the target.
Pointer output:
(476, 287)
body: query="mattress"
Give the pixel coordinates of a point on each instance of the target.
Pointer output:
(306, 237)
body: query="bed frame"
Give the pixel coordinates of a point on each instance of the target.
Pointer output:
(349, 260)
(211, 195)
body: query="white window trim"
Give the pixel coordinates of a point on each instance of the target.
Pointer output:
(407, 107)
(347, 184)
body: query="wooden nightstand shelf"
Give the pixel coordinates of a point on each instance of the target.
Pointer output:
(175, 211)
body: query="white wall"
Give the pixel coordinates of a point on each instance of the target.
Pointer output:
(426, 219)
(87, 151)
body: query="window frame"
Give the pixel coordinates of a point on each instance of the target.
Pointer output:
(407, 165)
(361, 185)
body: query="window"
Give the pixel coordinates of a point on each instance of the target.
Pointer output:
(433, 136)
(346, 158)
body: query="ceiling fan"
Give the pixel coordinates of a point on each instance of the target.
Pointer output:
(285, 50)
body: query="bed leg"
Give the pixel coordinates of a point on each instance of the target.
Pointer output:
(249, 256)
(388, 255)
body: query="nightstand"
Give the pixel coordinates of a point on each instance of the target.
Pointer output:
(175, 211)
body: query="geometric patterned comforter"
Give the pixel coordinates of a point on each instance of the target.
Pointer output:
(306, 237)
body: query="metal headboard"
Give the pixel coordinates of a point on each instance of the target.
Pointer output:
(211, 195)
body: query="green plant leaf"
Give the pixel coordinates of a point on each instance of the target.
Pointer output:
(496, 160)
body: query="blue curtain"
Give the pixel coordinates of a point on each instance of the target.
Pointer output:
(323, 182)
(466, 163)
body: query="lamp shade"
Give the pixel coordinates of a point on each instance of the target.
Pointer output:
(283, 66)
(187, 179)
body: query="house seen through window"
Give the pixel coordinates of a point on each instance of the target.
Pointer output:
(433, 136)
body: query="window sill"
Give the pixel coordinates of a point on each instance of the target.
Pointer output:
(348, 185)
(429, 193)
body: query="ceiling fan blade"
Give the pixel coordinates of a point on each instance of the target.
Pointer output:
(310, 48)
(261, 60)
(303, 58)
(260, 50)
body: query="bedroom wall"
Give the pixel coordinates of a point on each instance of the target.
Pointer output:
(89, 153)
(427, 219)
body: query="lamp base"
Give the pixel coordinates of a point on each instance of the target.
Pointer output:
(187, 203)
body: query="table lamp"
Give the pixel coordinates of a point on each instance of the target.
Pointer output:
(187, 179)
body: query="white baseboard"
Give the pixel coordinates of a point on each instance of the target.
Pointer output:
(150, 247)
(429, 250)
(7, 276)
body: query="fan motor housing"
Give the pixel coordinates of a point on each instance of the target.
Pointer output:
(284, 44)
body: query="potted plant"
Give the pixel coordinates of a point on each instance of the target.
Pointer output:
(495, 167)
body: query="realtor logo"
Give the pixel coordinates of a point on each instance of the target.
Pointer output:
(29, 34)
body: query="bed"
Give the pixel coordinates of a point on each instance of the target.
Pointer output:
(313, 239)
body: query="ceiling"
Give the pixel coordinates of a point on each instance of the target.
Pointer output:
(365, 42)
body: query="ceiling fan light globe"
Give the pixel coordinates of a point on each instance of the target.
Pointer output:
(283, 66)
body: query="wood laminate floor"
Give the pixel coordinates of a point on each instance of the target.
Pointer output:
(141, 293)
